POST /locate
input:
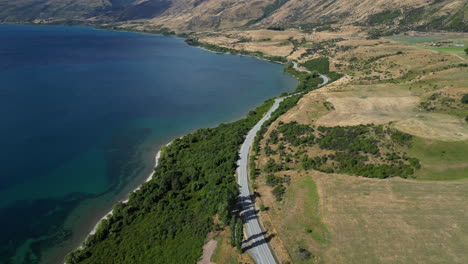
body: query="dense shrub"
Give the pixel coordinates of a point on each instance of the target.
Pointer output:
(357, 149)
(237, 232)
(354, 164)
(273, 180)
(296, 134)
(464, 99)
(354, 138)
(278, 192)
(321, 65)
(272, 166)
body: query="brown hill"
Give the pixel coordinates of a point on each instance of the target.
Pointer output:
(197, 15)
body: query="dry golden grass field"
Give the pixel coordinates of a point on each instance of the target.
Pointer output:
(343, 219)
(393, 221)
(349, 219)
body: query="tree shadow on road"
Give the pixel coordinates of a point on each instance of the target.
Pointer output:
(252, 237)
(259, 242)
(247, 208)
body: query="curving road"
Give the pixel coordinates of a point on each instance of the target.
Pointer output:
(256, 243)
(324, 78)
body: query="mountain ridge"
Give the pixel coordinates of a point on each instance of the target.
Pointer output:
(200, 15)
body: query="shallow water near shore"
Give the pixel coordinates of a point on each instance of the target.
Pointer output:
(83, 113)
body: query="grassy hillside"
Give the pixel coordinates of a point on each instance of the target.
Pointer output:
(187, 15)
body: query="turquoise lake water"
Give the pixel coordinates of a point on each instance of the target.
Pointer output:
(84, 111)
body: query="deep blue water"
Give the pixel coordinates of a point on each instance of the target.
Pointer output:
(82, 114)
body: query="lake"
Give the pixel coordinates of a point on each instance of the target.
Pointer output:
(83, 113)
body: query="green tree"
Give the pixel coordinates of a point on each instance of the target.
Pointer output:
(464, 99)
(237, 233)
(232, 226)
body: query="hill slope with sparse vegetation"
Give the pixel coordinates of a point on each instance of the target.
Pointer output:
(186, 15)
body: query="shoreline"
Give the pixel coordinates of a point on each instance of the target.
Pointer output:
(228, 53)
(93, 231)
(109, 213)
(149, 178)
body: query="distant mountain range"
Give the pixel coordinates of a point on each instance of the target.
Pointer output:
(196, 15)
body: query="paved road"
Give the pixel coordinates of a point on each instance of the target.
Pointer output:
(325, 78)
(255, 244)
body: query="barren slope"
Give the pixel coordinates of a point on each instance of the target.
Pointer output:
(184, 15)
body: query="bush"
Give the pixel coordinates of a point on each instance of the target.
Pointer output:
(304, 253)
(353, 148)
(278, 192)
(354, 164)
(313, 163)
(352, 139)
(415, 163)
(272, 166)
(296, 134)
(237, 233)
(273, 180)
(464, 99)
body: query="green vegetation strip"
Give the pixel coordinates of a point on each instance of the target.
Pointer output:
(168, 218)
(216, 48)
(321, 65)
